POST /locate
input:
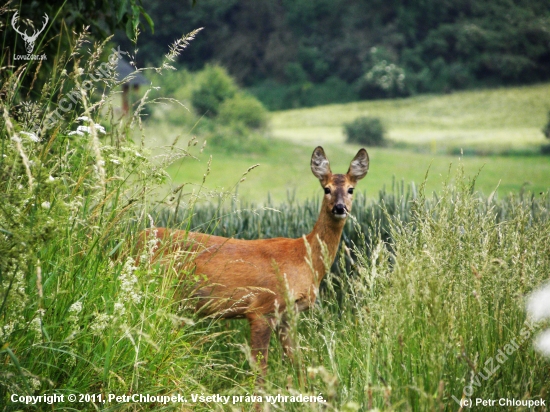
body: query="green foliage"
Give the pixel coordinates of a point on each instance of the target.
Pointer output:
(431, 290)
(243, 108)
(235, 121)
(365, 130)
(78, 313)
(545, 149)
(280, 96)
(546, 129)
(238, 138)
(439, 47)
(384, 79)
(213, 88)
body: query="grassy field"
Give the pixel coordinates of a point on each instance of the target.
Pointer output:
(485, 120)
(431, 294)
(427, 128)
(277, 177)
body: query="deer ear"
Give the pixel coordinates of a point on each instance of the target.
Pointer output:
(359, 166)
(320, 165)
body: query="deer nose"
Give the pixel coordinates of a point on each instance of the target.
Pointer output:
(339, 209)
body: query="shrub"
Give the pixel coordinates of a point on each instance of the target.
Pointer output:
(215, 86)
(243, 108)
(237, 138)
(365, 130)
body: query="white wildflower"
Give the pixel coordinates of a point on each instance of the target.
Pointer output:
(542, 342)
(83, 129)
(83, 118)
(119, 309)
(100, 323)
(31, 136)
(35, 384)
(129, 283)
(36, 325)
(71, 361)
(74, 310)
(99, 128)
(46, 205)
(76, 307)
(7, 330)
(151, 246)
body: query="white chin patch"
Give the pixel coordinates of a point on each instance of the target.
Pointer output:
(342, 216)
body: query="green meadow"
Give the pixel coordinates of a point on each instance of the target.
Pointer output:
(494, 133)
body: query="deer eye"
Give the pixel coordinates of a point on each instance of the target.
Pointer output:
(327, 191)
(350, 190)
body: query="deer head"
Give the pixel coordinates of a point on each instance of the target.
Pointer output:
(338, 187)
(29, 40)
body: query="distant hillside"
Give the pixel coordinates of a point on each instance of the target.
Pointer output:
(482, 121)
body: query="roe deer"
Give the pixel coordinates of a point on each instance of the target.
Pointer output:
(255, 279)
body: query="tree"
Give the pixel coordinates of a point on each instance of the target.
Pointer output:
(102, 17)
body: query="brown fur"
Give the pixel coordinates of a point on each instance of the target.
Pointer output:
(256, 278)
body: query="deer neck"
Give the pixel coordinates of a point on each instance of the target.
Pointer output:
(326, 236)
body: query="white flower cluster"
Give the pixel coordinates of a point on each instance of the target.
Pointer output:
(35, 326)
(119, 309)
(149, 250)
(129, 283)
(33, 137)
(75, 207)
(100, 323)
(129, 294)
(81, 130)
(74, 311)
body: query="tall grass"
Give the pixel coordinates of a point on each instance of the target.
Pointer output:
(424, 307)
(77, 313)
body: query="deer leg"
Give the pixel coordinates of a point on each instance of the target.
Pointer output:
(260, 333)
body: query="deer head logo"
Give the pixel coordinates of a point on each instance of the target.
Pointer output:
(29, 40)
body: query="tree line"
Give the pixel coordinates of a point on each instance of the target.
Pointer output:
(360, 48)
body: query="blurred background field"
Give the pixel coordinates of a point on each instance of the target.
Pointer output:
(495, 132)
